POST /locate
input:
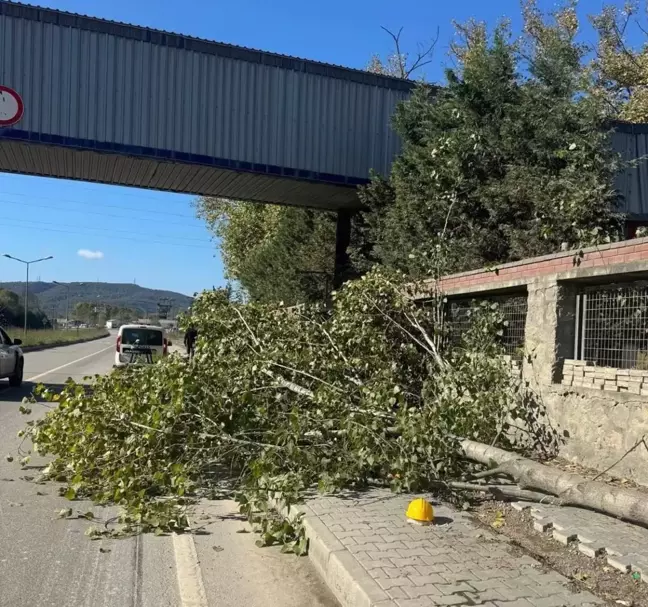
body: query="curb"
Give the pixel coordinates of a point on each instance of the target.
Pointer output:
(59, 344)
(342, 573)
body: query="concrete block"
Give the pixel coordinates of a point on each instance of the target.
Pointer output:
(564, 536)
(621, 563)
(350, 583)
(542, 525)
(639, 373)
(640, 564)
(590, 550)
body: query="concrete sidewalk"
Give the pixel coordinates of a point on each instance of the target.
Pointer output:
(370, 556)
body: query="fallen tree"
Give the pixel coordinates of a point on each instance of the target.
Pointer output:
(281, 399)
(569, 489)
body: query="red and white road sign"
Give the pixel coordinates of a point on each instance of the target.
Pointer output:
(11, 106)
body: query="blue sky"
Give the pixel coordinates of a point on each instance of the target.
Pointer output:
(166, 246)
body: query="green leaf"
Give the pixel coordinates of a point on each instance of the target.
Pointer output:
(301, 549)
(70, 494)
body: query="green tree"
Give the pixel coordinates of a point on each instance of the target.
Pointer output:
(509, 159)
(622, 70)
(12, 312)
(85, 312)
(274, 253)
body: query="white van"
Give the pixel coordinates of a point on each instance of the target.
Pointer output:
(140, 344)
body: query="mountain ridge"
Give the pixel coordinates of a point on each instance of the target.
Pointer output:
(52, 298)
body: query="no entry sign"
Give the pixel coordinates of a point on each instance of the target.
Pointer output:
(11, 106)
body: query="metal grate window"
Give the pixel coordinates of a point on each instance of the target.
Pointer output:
(513, 308)
(612, 326)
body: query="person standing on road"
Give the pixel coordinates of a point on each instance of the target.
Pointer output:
(190, 340)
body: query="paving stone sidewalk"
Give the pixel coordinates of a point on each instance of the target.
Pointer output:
(370, 555)
(625, 546)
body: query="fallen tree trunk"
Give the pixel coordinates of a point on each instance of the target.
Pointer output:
(505, 492)
(570, 489)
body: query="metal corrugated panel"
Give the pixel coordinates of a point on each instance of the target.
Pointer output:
(631, 142)
(182, 41)
(95, 86)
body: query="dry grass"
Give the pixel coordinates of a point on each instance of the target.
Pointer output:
(45, 337)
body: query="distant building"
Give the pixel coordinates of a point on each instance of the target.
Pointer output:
(168, 325)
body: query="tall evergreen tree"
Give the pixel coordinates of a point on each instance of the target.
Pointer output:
(509, 159)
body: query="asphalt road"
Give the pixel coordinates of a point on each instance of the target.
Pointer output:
(45, 561)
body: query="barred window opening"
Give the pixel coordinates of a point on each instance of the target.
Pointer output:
(513, 309)
(612, 326)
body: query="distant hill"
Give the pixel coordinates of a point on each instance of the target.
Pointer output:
(52, 298)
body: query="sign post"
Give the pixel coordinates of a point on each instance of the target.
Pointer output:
(11, 107)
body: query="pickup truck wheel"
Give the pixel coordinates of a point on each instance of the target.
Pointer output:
(15, 381)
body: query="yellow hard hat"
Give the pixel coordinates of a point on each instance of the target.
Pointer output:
(420, 511)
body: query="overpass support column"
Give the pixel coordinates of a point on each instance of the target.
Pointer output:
(342, 240)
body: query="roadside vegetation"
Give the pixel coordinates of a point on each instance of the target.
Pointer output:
(509, 159)
(46, 337)
(12, 312)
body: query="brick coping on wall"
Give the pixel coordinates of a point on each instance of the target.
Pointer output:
(521, 272)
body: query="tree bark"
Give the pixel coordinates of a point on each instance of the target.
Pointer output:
(506, 492)
(570, 489)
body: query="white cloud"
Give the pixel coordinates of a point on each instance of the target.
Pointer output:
(88, 254)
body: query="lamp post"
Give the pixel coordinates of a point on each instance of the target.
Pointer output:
(67, 303)
(27, 263)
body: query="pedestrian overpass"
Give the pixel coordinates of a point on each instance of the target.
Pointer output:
(113, 103)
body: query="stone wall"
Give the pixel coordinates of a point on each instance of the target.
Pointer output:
(597, 426)
(599, 413)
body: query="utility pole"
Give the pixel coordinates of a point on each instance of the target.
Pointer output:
(67, 303)
(27, 264)
(164, 306)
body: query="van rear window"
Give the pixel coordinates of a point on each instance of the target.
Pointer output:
(146, 337)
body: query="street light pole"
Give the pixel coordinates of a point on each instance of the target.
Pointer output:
(27, 263)
(67, 303)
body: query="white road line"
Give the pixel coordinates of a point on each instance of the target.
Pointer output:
(190, 582)
(74, 362)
